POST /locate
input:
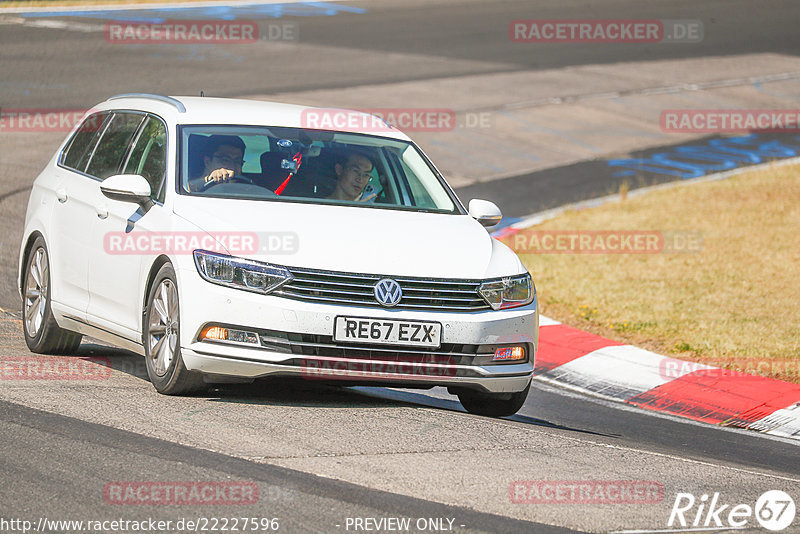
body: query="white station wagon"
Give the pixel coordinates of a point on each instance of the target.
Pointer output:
(225, 240)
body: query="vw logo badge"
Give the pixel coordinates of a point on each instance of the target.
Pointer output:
(388, 292)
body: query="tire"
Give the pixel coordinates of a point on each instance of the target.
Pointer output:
(42, 333)
(161, 337)
(493, 405)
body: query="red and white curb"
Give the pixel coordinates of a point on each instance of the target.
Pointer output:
(589, 363)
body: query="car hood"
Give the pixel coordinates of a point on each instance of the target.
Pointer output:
(354, 239)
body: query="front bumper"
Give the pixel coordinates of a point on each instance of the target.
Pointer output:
(296, 339)
(511, 379)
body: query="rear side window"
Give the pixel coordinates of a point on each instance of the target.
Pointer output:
(83, 141)
(148, 157)
(113, 145)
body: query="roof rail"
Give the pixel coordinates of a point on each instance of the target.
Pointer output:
(161, 98)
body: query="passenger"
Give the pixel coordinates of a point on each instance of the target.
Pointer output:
(352, 176)
(222, 160)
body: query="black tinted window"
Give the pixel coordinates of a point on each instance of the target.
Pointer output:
(80, 147)
(113, 145)
(148, 157)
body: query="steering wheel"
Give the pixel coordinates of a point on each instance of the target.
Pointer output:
(238, 177)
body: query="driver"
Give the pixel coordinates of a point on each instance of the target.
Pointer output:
(352, 176)
(222, 160)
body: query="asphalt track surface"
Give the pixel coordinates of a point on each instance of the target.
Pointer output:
(48, 460)
(303, 502)
(51, 67)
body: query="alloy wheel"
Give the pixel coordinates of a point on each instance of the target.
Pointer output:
(163, 327)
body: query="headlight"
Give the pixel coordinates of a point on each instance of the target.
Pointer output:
(508, 292)
(240, 273)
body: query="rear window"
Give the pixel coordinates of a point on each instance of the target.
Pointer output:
(107, 155)
(79, 148)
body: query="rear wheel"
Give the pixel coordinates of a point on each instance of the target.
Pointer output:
(42, 333)
(162, 346)
(493, 404)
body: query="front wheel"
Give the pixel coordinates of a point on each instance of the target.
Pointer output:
(493, 404)
(162, 346)
(42, 333)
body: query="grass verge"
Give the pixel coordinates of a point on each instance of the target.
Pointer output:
(732, 300)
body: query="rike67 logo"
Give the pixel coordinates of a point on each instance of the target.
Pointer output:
(774, 510)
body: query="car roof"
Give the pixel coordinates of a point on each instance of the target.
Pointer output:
(221, 111)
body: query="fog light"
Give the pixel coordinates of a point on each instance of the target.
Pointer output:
(218, 333)
(214, 332)
(509, 353)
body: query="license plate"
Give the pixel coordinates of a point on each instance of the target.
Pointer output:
(387, 331)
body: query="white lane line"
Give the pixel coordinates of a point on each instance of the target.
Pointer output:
(60, 25)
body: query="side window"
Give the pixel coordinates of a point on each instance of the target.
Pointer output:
(77, 153)
(148, 157)
(113, 145)
(423, 195)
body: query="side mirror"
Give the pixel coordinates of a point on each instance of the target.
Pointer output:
(128, 188)
(485, 212)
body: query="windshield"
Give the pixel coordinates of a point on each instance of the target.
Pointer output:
(300, 165)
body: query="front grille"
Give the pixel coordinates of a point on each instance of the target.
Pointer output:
(357, 290)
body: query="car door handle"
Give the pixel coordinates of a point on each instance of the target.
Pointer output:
(61, 195)
(102, 212)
